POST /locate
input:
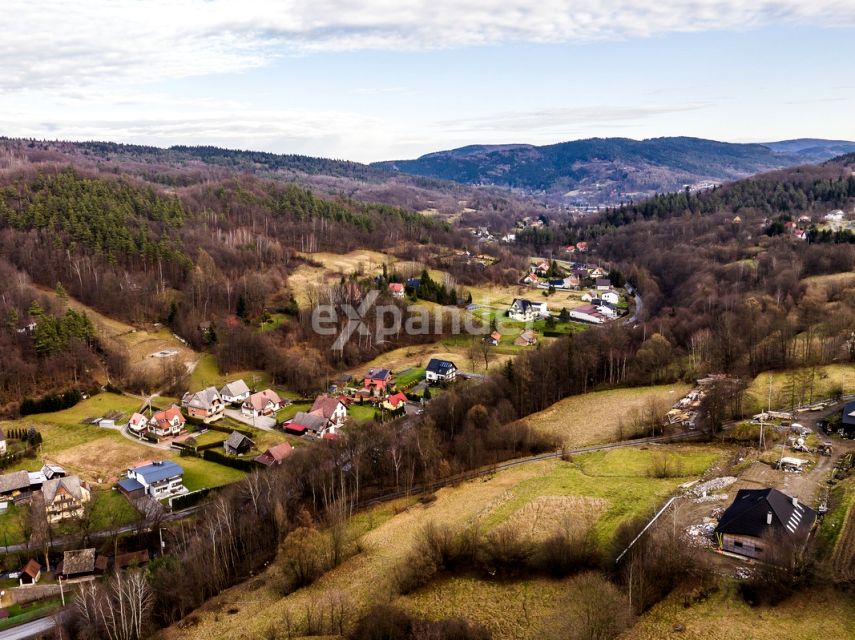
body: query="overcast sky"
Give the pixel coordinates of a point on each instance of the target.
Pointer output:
(390, 79)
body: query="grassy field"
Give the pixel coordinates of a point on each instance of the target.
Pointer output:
(413, 375)
(12, 524)
(455, 349)
(597, 417)
(808, 387)
(200, 474)
(360, 414)
(616, 486)
(207, 374)
(94, 407)
(813, 613)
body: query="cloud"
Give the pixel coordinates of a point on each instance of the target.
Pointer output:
(538, 119)
(63, 45)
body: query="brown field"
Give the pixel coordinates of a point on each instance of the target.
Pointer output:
(812, 613)
(305, 279)
(545, 515)
(597, 417)
(364, 579)
(501, 296)
(418, 356)
(809, 387)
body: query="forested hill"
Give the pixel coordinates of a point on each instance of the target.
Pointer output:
(610, 170)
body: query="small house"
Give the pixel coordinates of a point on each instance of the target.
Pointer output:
(763, 524)
(234, 392)
(2, 443)
(65, 498)
(396, 289)
(31, 573)
(263, 403)
(493, 339)
(611, 296)
(526, 339)
(395, 402)
(169, 422)
(439, 371)
(138, 424)
(237, 444)
(603, 284)
(158, 479)
(275, 455)
(847, 423)
(206, 404)
(77, 563)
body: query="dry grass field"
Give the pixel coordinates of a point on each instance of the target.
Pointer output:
(305, 279)
(420, 355)
(609, 488)
(813, 613)
(597, 417)
(809, 386)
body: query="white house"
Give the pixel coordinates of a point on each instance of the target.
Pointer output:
(261, 404)
(138, 423)
(2, 444)
(168, 422)
(234, 392)
(158, 479)
(206, 404)
(607, 311)
(611, 296)
(603, 284)
(526, 310)
(330, 408)
(440, 371)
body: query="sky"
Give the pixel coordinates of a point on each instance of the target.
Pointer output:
(391, 79)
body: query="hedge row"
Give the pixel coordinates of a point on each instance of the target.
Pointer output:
(50, 403)
(228, 461)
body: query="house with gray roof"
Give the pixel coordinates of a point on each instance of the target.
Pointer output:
(77, 563)
(206, 404)
(65, 498)
(235, 392)
(158, 479)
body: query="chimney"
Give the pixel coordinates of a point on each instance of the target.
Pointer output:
(768, 517)
(795, 501)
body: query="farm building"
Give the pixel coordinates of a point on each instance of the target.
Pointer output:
(761, 523)
(77, 563)
(31, 573)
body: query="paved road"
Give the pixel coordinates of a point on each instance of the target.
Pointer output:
(28, 629)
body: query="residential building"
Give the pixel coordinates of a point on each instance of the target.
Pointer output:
(333, 409)
(611, 296)
(234, 392)
(377, 380)
(603, 284)
(158, 479)
(206, 404)
(765, 524)
(138, 424)
(526, 310)
(439, 371)
(303, 423)
(2, 443)
(169, 422)
(395, 401)
(262, 403)
(847, 423)
(493, 339)
(396, 289)
(237, 444)
(65, 498)
(275, 455)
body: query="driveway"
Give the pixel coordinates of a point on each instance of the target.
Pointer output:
(264, 423)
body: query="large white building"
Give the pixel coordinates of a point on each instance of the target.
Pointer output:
(158, 479)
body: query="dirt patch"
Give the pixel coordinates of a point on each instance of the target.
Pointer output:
(101, 459)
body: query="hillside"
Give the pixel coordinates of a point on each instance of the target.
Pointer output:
(609, 170)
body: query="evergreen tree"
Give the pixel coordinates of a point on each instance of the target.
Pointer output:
(240, 310)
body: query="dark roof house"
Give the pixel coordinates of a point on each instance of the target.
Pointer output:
(758, 517)
(237, 443)
(275, 455)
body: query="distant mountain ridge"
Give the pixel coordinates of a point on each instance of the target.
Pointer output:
(609, 170)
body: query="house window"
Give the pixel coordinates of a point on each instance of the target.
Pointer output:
(737, 544)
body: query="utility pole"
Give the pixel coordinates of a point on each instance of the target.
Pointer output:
(61, 591)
